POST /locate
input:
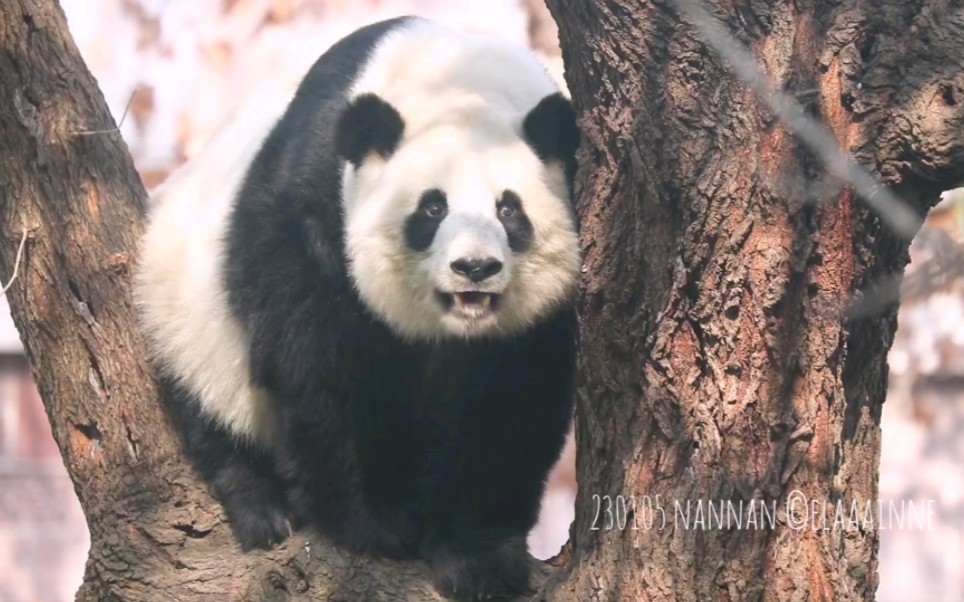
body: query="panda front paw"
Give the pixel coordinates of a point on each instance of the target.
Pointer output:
(262, 528)
(388, 534)
(255, 508)
(498, 572)
(358, 529)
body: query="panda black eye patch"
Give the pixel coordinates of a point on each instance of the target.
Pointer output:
(420, 226)
(517, 226)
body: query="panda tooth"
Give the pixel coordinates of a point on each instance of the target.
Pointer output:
(472, 304)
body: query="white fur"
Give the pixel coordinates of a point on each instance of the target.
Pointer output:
(179, 285)
(463, 99)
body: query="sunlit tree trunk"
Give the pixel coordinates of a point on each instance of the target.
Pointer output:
(717, 361)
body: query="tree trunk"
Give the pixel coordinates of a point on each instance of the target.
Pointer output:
(717, 361)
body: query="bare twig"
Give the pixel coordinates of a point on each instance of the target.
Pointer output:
(894, 212)
(16, 264)
(127, 109)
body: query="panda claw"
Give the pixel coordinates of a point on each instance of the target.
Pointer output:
(254, 506)
(263, 528)
(261, 533)
(497, 573)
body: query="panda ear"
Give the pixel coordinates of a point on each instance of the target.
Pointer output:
(550, 129)
(368, 124)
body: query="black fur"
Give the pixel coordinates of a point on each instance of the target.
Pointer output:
(391, 448)
(243, 477)
(517, 226)
(421, 226)
(368, 125)
(551, 130)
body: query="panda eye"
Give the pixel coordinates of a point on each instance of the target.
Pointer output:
(434, 209)
(507, 211)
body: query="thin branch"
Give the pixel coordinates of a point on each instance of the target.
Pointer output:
(903, 220)
(16, 264)
(120, 124)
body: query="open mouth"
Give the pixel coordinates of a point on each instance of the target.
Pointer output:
(471, 305)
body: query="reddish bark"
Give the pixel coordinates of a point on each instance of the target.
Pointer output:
(716, 359)
(720, 260)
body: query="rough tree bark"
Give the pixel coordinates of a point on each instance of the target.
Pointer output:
(716, 362)
(719, 262)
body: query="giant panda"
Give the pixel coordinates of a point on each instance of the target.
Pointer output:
(359, 303)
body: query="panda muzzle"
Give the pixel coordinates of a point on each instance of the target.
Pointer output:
(472, 304)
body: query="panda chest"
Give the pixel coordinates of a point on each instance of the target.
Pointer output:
(449, 385)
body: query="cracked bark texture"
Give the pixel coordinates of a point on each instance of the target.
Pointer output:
(717, 358)
(716, 361)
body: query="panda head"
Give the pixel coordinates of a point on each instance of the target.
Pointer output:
(459, 226)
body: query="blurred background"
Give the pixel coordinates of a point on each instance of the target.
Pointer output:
(172, 69)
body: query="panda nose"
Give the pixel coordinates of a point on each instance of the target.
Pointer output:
(477, 270)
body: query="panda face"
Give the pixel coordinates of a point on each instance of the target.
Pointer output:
(461, 231)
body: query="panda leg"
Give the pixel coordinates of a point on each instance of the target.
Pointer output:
(475, 541)
(253, 499)
(327, 489)
(243, 477)
(480, 566)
